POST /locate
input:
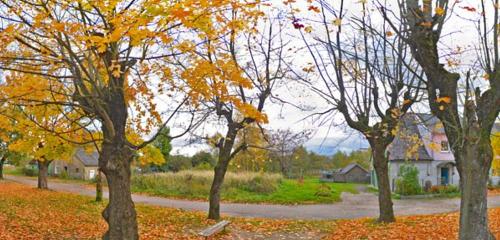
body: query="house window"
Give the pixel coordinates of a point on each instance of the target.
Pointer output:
(76, 170)
(445, 147)
(56, 170)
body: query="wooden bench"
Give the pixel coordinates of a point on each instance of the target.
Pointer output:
(210, 231)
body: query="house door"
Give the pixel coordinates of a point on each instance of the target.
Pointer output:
(91, 174)
(445, 176)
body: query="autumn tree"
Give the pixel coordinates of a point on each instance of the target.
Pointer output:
(107, 61)
(256, 154)
(36, 143)
(467, 133)
(364, 73)
(243, 69)
(44, 148)
(7, 137)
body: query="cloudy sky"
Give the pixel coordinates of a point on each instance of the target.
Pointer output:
(330, 135)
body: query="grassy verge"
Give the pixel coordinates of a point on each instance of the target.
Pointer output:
(242, 187)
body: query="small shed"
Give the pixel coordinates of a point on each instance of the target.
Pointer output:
(353, 173)
(84, 165)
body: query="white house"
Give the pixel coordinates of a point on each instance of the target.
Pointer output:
(421, 141)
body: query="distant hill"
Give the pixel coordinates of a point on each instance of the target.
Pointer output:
(329, 146)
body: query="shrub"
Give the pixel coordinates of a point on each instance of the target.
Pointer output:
(407, 183)
(204, 166)
(323, 191)
(444, 189)
(260, 185)
(64, 175)
(30, 171)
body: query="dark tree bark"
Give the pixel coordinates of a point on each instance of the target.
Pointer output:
(473, 201)
(380, 164)
(98, 187)
(226, 153)
(43, 170)
(474, 165)
(469, 137)
(120, 212)
(115, 159)
(2, 161)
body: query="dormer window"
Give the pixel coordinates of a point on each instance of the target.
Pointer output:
(445, 147)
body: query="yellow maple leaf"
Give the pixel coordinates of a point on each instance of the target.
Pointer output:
(439, 11)
(308, 29)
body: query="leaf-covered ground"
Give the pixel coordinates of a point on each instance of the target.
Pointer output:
(27, 213)
(440, 226)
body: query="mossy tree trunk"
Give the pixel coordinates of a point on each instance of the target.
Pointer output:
(468, 135)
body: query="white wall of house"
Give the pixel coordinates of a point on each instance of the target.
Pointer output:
(428, 171)
(495, 180)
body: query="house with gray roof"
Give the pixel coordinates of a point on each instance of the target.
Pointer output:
(83, 165)
(353, 173)
(422, 142)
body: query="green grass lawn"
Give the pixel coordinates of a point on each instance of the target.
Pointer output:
(294, 192)
(11, 170)
(268, 189)
(287, 192)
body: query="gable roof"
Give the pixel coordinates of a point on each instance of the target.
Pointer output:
(412, 125)
(349, 167)
(431, 122)
(89, 160)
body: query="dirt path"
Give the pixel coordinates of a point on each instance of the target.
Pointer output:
(352, 205)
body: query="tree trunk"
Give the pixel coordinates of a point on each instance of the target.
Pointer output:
(225, 155)
(114, 161)
(381, 166)
(219, 173)
(98, 187)
(2, 161)
(476, 162)
(43, 170)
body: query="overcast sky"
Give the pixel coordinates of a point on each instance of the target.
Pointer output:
(459, 32)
